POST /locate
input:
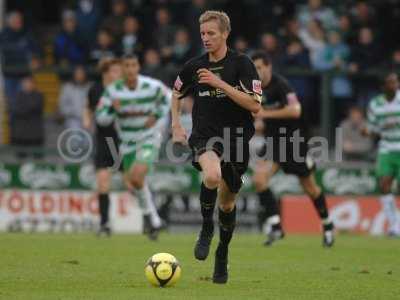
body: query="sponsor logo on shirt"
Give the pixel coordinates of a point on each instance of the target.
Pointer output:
(204, 94)
(178, 84)
(257, 87)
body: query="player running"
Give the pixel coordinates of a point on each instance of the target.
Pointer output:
(137, 102)
(384, 121)
(282, 116)
(110, 69)
(226, 90)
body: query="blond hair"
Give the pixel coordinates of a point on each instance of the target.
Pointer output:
(220, 16)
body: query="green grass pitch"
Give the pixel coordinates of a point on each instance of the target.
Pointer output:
(43, 266)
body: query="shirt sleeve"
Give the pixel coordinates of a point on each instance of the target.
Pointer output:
(105, 113)
(248, 78)
(372, 124)
(287, 93)
(163, 101)
(184, 81)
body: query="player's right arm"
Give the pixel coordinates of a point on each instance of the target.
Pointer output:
(178, 131)
(181, 89)
(105, 112)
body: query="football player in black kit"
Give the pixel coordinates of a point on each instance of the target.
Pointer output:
(283, 119)
(226, 92)
(110, 70)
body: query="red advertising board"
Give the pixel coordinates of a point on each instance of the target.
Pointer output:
(361, 214)
(64, 211)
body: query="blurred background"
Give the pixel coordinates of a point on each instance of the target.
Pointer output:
(332, 52)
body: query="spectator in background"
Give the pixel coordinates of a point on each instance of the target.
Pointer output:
(291, 31)
(115, 22)
(335, 57)
(104, 47)
(152, 67)
(366, 55)
(346, 31)
(18, 49)
(88, 15)
(164, 32)
(68, 48)
(355, 145)
(363, 15)
(130, 41)
(314, 10)
(394, 61)
(242, 45)
(366, 52)
(28, 126)
(296, 55)
(192, 14)
(313, 38)
(73, 98)
(269, 43)
(182, 49)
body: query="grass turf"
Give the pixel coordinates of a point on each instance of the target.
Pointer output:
(43, 266)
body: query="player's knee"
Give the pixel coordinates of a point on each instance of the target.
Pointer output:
(103, 182)
(260, 183)
(103, 186)
(212, 179)
(137, 181)
(138, 175)
(227, 207)
(313, 192)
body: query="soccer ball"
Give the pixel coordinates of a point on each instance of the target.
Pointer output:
(162, 269)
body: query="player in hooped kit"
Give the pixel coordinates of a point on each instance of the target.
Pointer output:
(226, 92)
(138, 104)
(384, 122)
(283, 119)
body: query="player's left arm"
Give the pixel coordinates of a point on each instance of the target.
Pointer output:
(292, 110)
(371, 129)
(250, 97)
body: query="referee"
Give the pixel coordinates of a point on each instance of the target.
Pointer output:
(110, 69)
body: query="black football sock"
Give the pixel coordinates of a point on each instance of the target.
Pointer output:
(104, 205)
(322, 210)
(227, 222)
(270, 204)
(207, 202)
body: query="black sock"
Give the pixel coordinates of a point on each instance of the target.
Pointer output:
(227, 222)
(321, 208)
(207, 202)
(270, 204)
(104, 204)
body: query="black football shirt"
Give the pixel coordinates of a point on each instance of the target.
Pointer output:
(212, 109)
(276, 95)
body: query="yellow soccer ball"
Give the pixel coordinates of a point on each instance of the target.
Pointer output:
(162, 269)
